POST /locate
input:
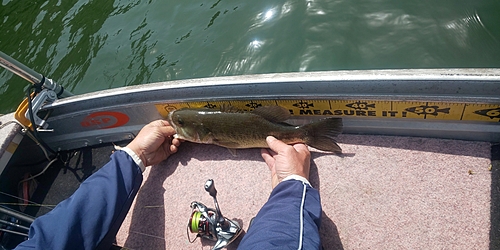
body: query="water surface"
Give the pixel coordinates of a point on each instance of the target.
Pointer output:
(94, 45)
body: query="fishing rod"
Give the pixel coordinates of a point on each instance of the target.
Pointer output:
(13, 224)
(32, 76)
(43, 90)
(46, 90)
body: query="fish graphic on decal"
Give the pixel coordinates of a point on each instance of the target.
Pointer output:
(491, 113)
(428, 110)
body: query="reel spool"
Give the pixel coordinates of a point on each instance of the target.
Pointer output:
(209, 223)
(199, 224)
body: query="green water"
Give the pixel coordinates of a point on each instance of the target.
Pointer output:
(94, 45)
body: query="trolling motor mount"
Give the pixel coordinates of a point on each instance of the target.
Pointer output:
(208, 223)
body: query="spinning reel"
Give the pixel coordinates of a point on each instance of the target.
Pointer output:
(209, 224)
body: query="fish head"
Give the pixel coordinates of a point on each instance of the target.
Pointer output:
(187, 124)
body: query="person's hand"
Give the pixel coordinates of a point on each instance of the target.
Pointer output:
(284, 160)
(154, 143)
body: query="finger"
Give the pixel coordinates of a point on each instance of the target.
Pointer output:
(158, 123)
(165, 123)
(173, 149)
(303, 150)
(268, 158)
(265, 154)
(176, 142)
(275, 144)
(300, 147)
(166, 131)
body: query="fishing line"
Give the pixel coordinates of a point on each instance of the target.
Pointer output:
(31, 202)
(22, 204)
(150, 235)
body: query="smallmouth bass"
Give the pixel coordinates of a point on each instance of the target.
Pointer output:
(233, 129)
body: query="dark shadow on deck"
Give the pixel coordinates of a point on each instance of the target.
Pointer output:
(328, 232)
(495, 197)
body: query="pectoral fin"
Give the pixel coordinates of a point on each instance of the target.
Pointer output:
(231, 146)
(232, 151)
(226, 144)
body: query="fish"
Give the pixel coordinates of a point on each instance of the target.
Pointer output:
(236, 129)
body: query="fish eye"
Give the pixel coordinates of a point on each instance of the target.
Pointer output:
(180, 121)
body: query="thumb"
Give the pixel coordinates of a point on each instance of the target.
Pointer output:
(275, 144)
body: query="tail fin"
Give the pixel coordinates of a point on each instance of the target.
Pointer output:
(321, 134)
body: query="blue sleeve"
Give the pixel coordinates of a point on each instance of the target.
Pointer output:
(290, 219)
(92, 216)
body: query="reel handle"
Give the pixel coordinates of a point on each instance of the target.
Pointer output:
(210, 188)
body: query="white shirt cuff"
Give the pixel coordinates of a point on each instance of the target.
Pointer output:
(297, 177)
(136, 158)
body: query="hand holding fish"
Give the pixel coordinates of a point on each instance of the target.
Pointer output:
(155, 142)
(285, 160)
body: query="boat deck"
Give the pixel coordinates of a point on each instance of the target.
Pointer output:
(383, 193)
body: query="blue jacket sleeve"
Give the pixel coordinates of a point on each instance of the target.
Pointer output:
(290, 219)
(92, 216)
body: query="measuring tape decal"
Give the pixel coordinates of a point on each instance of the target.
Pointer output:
(361, 108)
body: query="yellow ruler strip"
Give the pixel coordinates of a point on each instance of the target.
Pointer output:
(361, 108)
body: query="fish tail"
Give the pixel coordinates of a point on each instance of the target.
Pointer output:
(321, 134)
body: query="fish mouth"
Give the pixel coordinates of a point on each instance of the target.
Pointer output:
(170, 121)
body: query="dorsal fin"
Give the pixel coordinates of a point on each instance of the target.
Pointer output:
(227, 108)
(273, 113)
